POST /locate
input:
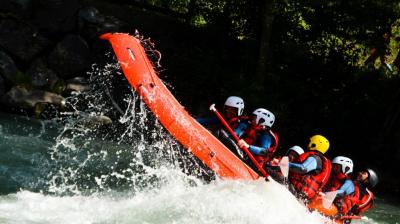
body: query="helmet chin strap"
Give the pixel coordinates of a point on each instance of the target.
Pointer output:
(259, 127)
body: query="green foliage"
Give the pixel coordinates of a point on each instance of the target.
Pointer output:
(198, 21)
(333, 31)
(180, 6)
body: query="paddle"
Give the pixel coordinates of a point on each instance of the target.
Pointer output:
(284, 165)
(237, 139)
(328, 199)
(350, 217)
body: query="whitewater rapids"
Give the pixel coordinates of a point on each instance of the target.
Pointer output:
(175, 202)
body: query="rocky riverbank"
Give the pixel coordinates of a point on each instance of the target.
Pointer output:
(46, 49)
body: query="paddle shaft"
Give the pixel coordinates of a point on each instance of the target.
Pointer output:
(350, 217)
(245, 149)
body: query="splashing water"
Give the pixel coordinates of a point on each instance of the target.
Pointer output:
(74, 169)
(129, 153)
(218, 202)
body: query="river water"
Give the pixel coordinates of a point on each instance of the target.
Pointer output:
(71, 170)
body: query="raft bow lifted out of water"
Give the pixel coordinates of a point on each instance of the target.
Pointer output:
(139, 72)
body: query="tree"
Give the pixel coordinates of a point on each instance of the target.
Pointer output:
(264, 57)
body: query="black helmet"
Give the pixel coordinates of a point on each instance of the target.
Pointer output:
(372, 178)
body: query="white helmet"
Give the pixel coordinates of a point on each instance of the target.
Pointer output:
(264, 117)
(345, 162)
(297, 149)
(237, 102)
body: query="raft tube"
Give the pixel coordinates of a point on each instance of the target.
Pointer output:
(139, 72)
(331, 212)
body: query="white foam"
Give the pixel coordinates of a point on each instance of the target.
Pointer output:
(218, 202)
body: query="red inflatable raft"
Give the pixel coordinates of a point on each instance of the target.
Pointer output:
(171, 114)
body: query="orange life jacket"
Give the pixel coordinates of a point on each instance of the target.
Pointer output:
(311, 183)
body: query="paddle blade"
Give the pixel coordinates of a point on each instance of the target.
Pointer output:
(328, 199)
(284, 165)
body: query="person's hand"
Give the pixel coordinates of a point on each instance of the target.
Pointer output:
(243, 144)
(274, 162)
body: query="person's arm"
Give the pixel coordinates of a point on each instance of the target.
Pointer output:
(265, 143)
(241, 128)
(309, 165)
(346, 189)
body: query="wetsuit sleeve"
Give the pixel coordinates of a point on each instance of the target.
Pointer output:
(265, 143)
(307, 166)
(346, 189)
(242, 126)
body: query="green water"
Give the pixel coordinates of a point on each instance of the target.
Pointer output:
(46, 177)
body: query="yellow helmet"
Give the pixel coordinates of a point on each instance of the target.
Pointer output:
(318, 143)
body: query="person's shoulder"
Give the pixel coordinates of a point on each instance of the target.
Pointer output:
(244, 123)
(244, 117)
(349, 181)
(316, 156)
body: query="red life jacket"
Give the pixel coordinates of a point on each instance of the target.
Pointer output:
(365, 200)
(311, 183)
(335, 181)
(250, 134)
(250, 137)
(234, 122)
(271, 151)
(346, 203)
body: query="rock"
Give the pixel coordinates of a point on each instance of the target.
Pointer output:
(55, 16)
(8, 70)
(111, 24)
(27, 99)
(92, 23)
(22, 8)
(78, 80)
(2, 87)
(90, 15)
(58, 87)
(95, 121)
(77, 84)
(70, 56)
(101, 119)
(41, 76)
(20, 39)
